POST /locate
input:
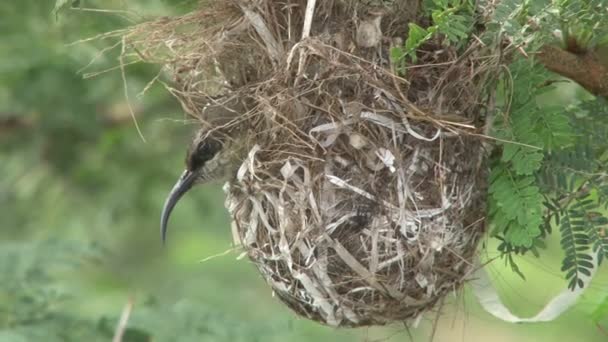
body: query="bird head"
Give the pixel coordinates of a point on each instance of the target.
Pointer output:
(214, 154)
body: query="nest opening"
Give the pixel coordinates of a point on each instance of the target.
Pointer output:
(361, 195)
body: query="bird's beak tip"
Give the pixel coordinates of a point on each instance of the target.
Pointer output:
(185, 182)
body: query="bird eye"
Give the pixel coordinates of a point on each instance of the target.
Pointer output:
(202, 153)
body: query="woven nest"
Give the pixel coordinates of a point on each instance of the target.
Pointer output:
(361, 198)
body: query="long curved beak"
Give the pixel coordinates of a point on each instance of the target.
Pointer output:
(185, 182)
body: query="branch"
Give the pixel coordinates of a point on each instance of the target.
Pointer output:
(12, 122)
(585, 69)
(121, 327)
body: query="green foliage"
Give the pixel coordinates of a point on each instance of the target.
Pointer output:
(522, 22)
(582, 229)
(550, 151)
(450, 19)
(575, 178)
(37, 295)
(416, 37)
(516, 207)
(550, 169)
(33, 298)
(524, 135)
(583, 20)
(532, 23)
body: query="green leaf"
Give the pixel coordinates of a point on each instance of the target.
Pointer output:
(516, 205)
(525, 160)
(522, 236)
(416, 37)
(397, 53)
(580, 238)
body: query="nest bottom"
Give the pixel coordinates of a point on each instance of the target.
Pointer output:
(341, 291)
(338, 254)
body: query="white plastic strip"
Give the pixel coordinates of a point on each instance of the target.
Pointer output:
(310, 13)
(488, 298)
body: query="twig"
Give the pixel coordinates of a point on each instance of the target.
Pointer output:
(224, 253)
(310, 13)
(126, 88)
(274, 49)
(127, 15)
(124, 320)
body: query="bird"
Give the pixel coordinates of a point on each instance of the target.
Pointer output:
(214, 154)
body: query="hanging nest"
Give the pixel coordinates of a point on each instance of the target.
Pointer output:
(361, 198)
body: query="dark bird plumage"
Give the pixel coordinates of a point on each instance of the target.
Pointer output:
(214, 154)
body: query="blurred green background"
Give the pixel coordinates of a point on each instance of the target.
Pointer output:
(80, 198)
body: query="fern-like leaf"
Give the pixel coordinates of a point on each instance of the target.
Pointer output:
(516, 203)
(583, 233)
